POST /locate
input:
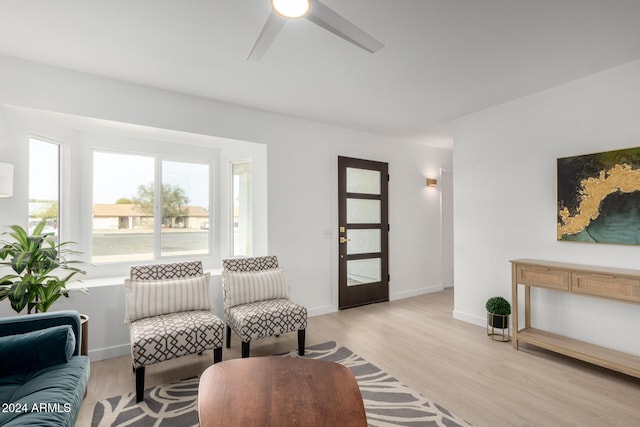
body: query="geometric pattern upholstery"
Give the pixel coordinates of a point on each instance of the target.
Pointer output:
(250, 263)
(166, 271)
(167, 336)
(266, 318)
(260, 319)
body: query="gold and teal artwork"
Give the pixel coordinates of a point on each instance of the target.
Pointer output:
(599, 197)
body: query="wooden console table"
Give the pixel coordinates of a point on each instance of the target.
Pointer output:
(602, 282)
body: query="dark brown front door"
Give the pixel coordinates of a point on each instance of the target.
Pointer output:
(363, 232)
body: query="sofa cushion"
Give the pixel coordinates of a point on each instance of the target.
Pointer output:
(148, 298)
(56, 391)
(253, 286)
(36, 350)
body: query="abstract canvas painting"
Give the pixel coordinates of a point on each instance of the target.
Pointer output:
(599, 197)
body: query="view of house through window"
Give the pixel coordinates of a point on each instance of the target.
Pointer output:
(185, 209)
(44, 185)
(242, 223)
(130, 223)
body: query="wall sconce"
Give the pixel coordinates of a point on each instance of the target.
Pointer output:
(432, 182)
(6, 180)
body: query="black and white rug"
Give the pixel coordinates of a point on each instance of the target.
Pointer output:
(387, 401)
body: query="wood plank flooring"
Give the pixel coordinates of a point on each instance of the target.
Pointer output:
(450, 361)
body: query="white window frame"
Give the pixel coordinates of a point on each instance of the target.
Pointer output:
(63, 199)
(171, 152)
(231, 233)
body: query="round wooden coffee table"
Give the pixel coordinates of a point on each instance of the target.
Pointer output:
(279, 391)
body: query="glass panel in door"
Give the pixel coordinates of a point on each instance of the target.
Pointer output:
(363, 241)
(363, 181)
(363, 271)
(363, 211)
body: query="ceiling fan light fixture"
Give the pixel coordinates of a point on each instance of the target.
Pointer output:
(291, 8)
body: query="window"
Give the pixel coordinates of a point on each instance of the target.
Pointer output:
(129, 223)
(44, 185)
(242, 207)
(95, 181)
(185, 209)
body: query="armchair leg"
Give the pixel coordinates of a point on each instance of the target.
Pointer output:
(228, 336)
(301, 336)
(139, 384)
(217, 355)
(245, 349)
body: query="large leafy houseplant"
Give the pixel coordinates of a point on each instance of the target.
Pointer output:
(41, 269)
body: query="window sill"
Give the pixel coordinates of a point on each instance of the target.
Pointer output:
(119, 280)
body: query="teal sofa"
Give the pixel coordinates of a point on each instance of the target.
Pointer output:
(43, 377)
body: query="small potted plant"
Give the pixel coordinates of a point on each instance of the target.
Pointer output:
(498, 311)
(36, 261)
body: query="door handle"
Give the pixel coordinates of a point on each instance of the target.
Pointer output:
(344, 240)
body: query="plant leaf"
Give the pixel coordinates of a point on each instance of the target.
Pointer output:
(38, 230)
(39, 263)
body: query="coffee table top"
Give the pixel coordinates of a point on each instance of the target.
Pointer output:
(279, 391)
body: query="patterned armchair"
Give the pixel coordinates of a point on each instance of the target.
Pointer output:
(256, 302)
(168, 309)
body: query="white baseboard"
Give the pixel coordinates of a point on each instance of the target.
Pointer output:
(415, 292)
(469, 318)
(318, 311)
(326, 309)
(110, 352)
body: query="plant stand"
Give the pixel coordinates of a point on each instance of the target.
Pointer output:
(497, 324)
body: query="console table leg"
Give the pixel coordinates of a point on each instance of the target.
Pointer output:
(514, 306)
(527, 306)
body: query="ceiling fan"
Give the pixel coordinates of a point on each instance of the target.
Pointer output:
(319, 14)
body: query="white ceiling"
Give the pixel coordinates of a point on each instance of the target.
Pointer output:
(442, 59)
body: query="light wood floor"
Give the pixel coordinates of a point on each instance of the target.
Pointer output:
(452, 362)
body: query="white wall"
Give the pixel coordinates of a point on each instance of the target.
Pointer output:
(505, 200)
(302, 184)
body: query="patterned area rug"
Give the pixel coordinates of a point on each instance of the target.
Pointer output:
(387, 401)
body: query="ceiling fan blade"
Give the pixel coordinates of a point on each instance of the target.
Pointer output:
(271, 28)
(325, 17)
